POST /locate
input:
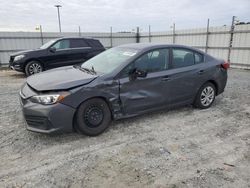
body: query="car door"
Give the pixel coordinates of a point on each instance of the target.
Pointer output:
(142, 94)
(186, 75)
(58, 54)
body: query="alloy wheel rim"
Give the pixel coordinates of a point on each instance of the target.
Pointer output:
(207, 96)
(35, 68)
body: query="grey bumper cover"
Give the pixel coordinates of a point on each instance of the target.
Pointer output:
(48, 118)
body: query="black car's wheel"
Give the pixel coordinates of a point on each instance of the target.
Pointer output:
(93, 117)
(33, 67)
(205, 96)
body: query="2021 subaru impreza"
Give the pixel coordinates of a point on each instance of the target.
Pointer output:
(121, 82)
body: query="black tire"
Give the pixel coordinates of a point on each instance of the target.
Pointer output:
(33, 67)
(203, 101)
(93, 117)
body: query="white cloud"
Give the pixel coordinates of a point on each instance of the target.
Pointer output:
(99, 15)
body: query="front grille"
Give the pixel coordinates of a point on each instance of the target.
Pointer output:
(38, 122)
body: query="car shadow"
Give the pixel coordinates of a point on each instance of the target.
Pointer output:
(114, 126)
(118, 125)
(17, 75)
(188, 109)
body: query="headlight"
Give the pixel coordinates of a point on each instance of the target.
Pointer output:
(49, 99)
(19, 57)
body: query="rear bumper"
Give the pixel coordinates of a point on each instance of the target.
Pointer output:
(222, 82)
(47, 118)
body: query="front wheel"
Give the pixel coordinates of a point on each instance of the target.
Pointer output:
(93, 117)
(205, 96)
(33, 67)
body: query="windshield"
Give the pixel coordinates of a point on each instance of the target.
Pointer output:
(47, 44)
(109, 60)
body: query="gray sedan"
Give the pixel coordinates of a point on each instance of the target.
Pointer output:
(121, 82)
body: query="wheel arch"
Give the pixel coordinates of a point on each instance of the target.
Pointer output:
(94, 97)
(33, 59)
(215, 85)
(196, 102)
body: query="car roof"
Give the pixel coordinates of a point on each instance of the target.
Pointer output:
(88, 38)
(148, 46)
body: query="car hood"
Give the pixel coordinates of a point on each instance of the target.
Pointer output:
(25, 52)
(60, 79)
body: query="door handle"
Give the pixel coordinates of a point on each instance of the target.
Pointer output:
(201, 71)
(165, 78)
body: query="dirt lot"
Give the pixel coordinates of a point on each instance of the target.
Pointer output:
(185, 147)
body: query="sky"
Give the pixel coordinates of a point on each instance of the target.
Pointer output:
(122, 15)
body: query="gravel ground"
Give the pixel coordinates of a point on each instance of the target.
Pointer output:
(185, 147)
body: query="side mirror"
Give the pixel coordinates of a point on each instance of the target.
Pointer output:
(136, 73)
(140, 73)
(52, 49)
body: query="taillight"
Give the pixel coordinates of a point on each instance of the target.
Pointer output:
(225, 65)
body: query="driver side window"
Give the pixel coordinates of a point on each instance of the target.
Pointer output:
(153, 61)
(62, 44)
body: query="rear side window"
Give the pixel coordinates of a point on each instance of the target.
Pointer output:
(78, 43)
(182, 58)
(95, 43)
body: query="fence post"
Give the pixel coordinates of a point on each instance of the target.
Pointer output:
(149, 33)
(41, 33)
(111, 37)
(207, 34)
(231, 39)
(137, 35)
(174, 33)
(79, 30)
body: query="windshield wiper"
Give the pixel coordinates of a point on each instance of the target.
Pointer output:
(76, 66)
(91, 71)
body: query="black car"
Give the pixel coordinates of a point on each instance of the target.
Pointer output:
(121, 82)
(55, 53)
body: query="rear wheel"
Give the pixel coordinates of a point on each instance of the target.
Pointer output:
(93, 117)
(33, 67)
(205, 96)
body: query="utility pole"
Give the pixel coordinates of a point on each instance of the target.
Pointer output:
(59, 19)
(231, 38)
(41, 33)
(39, 28)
